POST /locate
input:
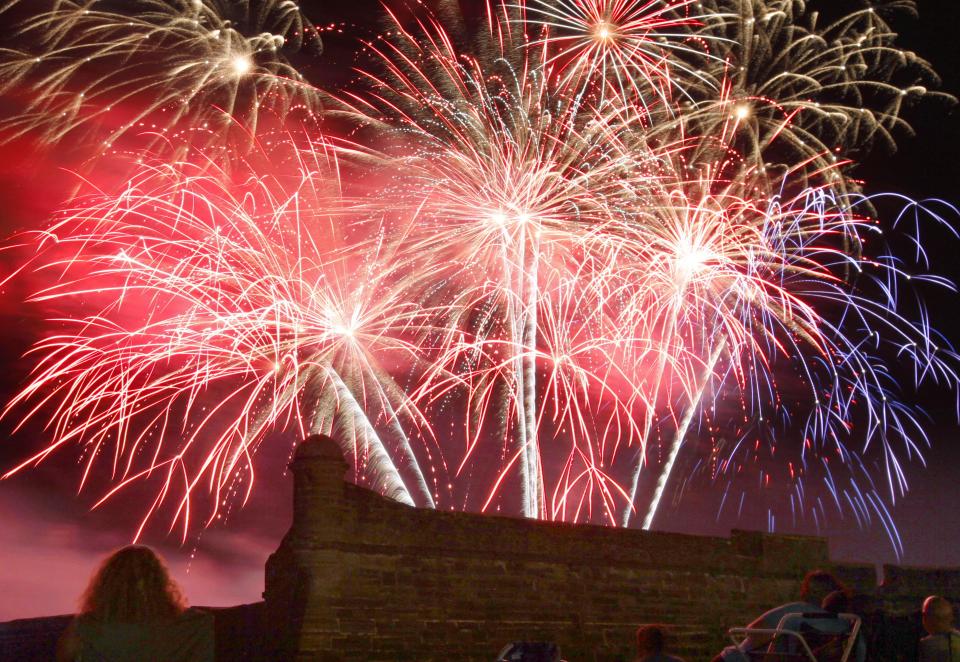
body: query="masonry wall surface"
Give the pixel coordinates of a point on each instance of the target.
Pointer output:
(359, 577)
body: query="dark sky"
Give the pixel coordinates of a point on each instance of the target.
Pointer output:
(50, 540)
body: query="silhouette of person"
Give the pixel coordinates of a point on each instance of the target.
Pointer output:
(943, 642)
(816, 585)
(651, 641)
(133, 610)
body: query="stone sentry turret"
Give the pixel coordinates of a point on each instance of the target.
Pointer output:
(297, 577)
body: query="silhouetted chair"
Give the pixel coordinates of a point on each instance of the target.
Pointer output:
(530, 651)
(810, 637)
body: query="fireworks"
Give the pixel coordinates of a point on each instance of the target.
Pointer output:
(508, 189)
(221, 306)
(181, 69)
(621, 44)
(802, 92)
(542, 264)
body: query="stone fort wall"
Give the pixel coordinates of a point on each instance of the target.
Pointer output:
(359, 577)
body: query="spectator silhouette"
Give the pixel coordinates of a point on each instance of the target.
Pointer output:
(816, 585)
(943, 642)
(836, 602)
(651, 641)
(530, 651)
(133, 610)
(872, 624)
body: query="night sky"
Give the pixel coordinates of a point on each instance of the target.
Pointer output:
(50, 540)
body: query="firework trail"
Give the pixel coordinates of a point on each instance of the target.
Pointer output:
(768, 287)
(505, 183)
(225, 289)
(793, 98)
(625, 48)
(802, 92)
(186, 69)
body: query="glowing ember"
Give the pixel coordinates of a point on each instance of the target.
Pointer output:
(241, 65)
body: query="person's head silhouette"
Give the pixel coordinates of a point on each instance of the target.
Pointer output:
(132, 585)
(817, 585)
(937, 615)
(133, 610)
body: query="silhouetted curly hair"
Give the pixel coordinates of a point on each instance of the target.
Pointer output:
(132, 585)
(818, 584)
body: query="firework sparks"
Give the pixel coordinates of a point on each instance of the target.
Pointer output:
(604, 228)
(626, 45)
(179, 68)
(801, 92)
(224, 315)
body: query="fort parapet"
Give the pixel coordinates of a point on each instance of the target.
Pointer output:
(360, 577)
